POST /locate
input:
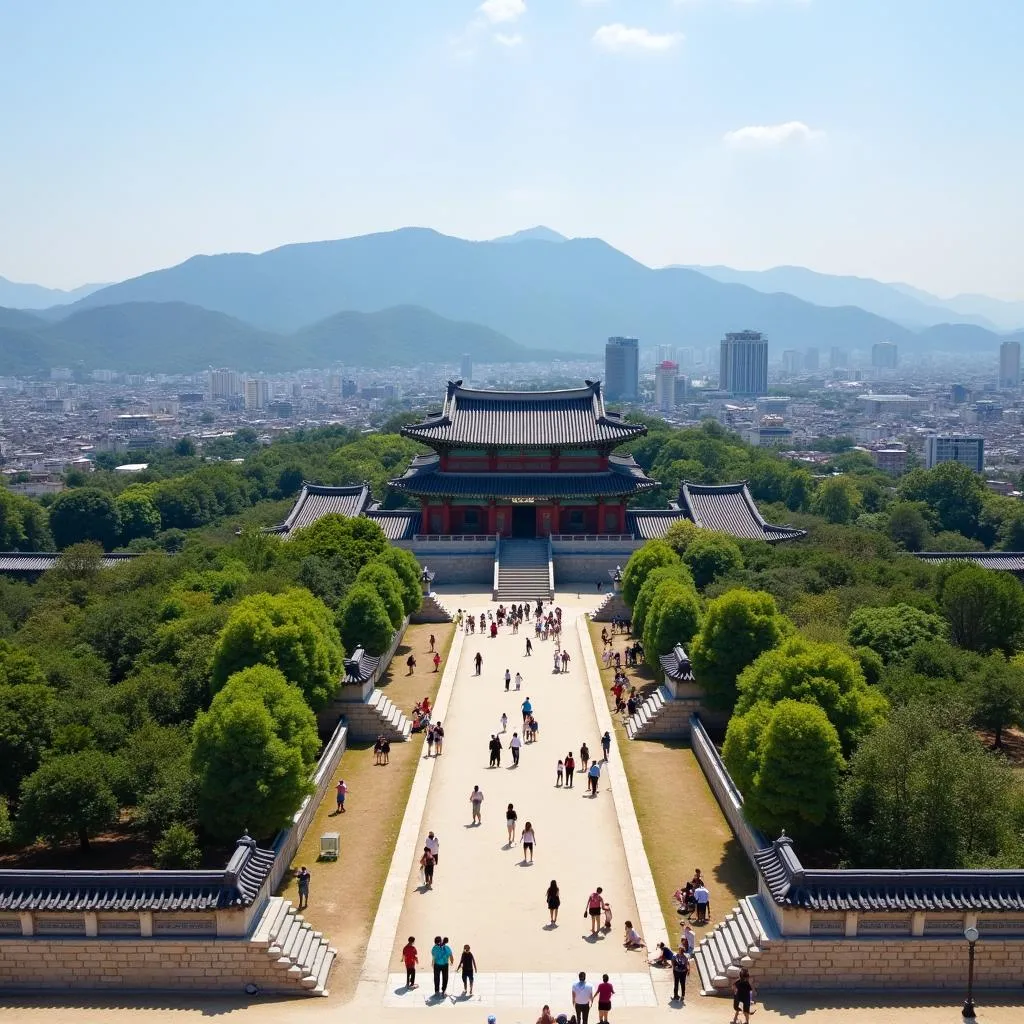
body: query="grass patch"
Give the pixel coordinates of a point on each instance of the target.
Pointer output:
(344, 895)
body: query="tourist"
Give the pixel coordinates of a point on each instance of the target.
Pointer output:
(302, 878)
(570, 767)
(698, 878)
(430, 740)
(632, 939)
(565, 660)
(385, 750)
(680, 969)
(595, 904)
(545, 1016)
(528, 838)
(434, 845)
(607, 908)
(554, 901)
(743, 992)
(478, 660)
(605, 991)
(476, 798)
(510, 823)
(702, 899)
(433, 640)
(467, 968)
(341, 791)
(519, 681)
(529, 647)
(558, 661)
(534, 729)
(689, 939)
(593, 777)
(377, 749)
(495, 748)
(582, 997)
(663, 958)
(606, 744)
(410, 957)
(437, 661)
(504, 722)
(441, 955)
(515, 743)
(411, 663)
(558, 772)
(508, 679)
(584, 755)
(439, 738)
(494, 630)
(427, 867)
(527, 709)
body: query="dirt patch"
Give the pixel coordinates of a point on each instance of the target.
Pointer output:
(344, 894)
(681, 823)
(1012, 747)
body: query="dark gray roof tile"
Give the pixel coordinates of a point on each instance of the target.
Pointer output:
(730, 508)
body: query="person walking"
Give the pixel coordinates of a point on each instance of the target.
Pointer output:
(584, 755)
(411, 664)
(565, 660)
(504, 722)
(519, 681)
(605, 991)
(437, 661)
(529, 647)
(528, 838)
(570, 768)
(606, 744)
(467, 968)
(527, 709)
(595, 904)
(341, 791)
(439, 738)
(559, 772)
(743, 992)
(433, 640)
(554, 901)
(594, 776)
(430, 741)
(441, 955)
(410, 957)
(478, 660)
(434, 845)
(558, 661)
(302, 878)
(516, 744)
(427, 865)
(495, 748)
(510, 823)
(508, 679)
(680, 969)
(385, 750)
(582, 997)
(476, 798)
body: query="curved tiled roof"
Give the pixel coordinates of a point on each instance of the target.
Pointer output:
(398, 523)
(237, 885)
(523, 419)
(885, 890)
(676, 665)
(1002, 561)
(651, 523)
(730, 508)
(623, 477)
(315, 501)
(40, 561)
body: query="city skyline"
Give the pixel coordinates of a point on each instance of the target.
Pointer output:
(270, 126)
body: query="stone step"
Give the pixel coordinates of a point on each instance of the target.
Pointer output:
(319, 954)
(750, 912)
(300, 944)
(320, 988)
(742, 925)
(275, 910)
(285, 937)
(732, 950)
(704, 974)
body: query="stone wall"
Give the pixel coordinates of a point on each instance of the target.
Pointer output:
(222, 965)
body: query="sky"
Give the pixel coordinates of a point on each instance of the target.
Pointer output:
(883, 138)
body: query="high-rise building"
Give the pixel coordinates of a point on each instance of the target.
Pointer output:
(1009, 364)
(666, 353)
(884, 355)
(837, 359)
(743, 363)
(958, 394)
(223, 383)
(812, 360)
(686, 358)
(792, 361)
(466, 368)
(334, 385)
(622, 369)
(257, 394)
(665, 374)
(955, 448)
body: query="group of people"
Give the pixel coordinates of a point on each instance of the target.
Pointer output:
(694, 899)
(441, 959)
(381, 750)
(421, 714)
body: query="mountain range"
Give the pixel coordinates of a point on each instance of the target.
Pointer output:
(175, 337)
(35, 296)
(415, 295)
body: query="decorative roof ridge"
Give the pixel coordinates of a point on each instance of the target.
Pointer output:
(126, 555)
(968, 554)
(455, 388)
(309, 489)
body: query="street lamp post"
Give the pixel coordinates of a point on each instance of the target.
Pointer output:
(971, 935)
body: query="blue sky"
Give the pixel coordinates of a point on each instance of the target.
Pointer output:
(878, 137)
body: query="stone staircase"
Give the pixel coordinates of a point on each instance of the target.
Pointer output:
(736, 941)
(612, 607)
(302, 955)
(524, 571)
(661, 717)
(432, 610)
(378, 716)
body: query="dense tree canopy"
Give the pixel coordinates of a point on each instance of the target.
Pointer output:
(985, 609)
(652, 555)
(363, 621)
(645, 597)
(893, 630)
(674, 618)
(85, 514)
(386, 583)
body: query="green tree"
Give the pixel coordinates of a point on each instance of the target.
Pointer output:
(799, 763)
(177, 849)
(891, 631)
(679, 573)
(653, 554)
(68, 796)
(997, 695)
(252, 753)
(984, 608)
(137, 514)
(289, 481)
(355, 540)
(821, 674)
(674, 618)
(185, 448)
(22, 524)
(952, 490)
(6, 825)
(737, 628)
(27, 715)
(291, 631)
(386, 583)
(711, 556)
(363, 621)
(84, 514)
(837, 500)
(407, 569)
(908, 526)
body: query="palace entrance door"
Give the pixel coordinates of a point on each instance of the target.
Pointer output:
(524, 521)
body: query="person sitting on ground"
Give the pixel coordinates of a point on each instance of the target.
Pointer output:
(545, 1016)
(664, 957)
(633, 939)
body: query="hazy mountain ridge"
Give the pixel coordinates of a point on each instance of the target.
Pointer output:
(37, 296)
(175, 337)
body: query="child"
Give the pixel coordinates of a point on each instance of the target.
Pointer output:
(607, 908)
(534, 727)
(558, 773)
(633, 939)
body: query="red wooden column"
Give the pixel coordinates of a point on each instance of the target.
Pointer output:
(600, 516)
(446, 519)
(492, 518)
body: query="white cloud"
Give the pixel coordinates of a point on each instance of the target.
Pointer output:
(761, 136)
(502, 10)
(515, 39)
(619, 38)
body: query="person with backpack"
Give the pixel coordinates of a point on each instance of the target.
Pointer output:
(680, 969)
(595, 904)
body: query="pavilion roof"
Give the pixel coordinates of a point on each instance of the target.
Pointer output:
(730, 508)
(315, 501)
(1002, 561)
(574, 417)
